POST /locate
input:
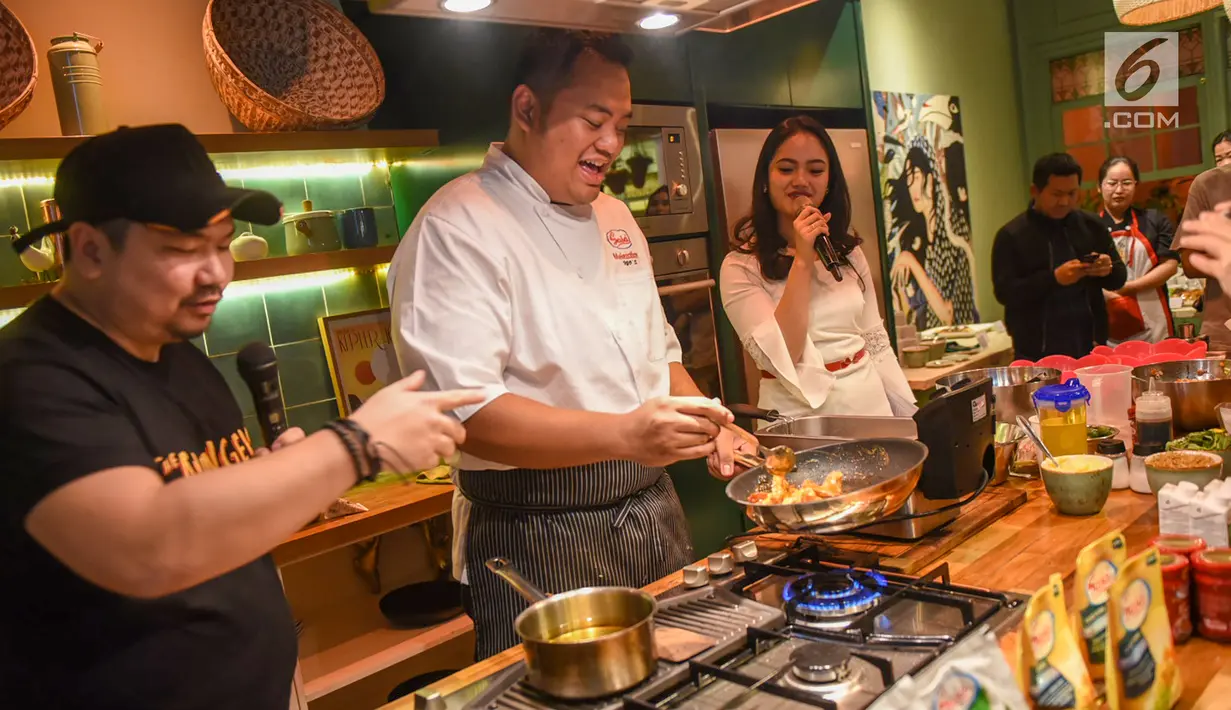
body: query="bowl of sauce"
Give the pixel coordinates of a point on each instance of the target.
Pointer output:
(1078, 484)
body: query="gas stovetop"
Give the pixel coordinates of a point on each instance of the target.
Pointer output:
(801, 629)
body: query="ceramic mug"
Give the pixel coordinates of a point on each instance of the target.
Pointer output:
(358, 228)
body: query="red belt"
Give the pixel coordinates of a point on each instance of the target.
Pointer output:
(831, 366)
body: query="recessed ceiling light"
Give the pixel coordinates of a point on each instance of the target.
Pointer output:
(465, 5)
(658, 21)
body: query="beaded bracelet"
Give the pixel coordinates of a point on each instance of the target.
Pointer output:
(356, 440)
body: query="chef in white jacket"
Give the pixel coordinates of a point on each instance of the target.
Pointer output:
(813, 328)
(523, 280)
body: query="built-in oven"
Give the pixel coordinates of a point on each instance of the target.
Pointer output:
(681, 269)
(658, 174)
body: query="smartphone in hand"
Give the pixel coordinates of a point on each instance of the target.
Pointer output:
(1088, 258)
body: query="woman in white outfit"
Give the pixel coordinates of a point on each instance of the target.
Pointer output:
(818, 340)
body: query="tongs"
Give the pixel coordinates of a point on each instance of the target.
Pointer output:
(779, 460)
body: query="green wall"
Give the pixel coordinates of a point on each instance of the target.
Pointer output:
(963, 48)
(1054, 29)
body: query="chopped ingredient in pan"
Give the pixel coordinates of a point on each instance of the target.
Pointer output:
(783, 492)
(1208, 440)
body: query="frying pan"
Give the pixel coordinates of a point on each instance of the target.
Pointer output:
(878, 476)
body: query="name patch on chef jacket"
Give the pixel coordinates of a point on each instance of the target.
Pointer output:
(622, 244)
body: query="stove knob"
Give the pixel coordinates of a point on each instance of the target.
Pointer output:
(721, 563)
(679, 189)
(745, 551)
(696, 576)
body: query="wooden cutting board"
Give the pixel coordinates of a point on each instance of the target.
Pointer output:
(914, 556)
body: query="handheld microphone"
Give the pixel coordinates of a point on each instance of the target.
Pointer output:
(824, 247)
(258, 366)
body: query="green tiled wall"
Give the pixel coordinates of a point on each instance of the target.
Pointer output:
(287, 320)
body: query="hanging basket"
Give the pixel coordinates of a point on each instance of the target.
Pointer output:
(291, 65)
(1153, 12)
(18, 67)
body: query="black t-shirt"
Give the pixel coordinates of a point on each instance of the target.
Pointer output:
(72, 402)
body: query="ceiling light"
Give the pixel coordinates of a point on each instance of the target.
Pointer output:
(658, 21)
(465, 5)
(1152, 12)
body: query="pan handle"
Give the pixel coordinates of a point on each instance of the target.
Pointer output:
(509, 573)
(747, 410)
(943, 509)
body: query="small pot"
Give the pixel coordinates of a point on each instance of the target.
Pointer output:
(562, 659)
(936, 348)
(358, 228)
(1081, 492)
(1206, 466)
(915, 355)
(310, 231)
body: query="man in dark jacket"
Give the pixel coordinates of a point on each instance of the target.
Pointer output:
(1050, 266)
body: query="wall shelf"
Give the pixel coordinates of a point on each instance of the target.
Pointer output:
(368, 654)
(22, 296)
(389, 143)
(390, 506)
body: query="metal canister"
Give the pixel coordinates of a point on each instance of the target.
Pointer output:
(1188, 330)
(51, 213)
(78, 84)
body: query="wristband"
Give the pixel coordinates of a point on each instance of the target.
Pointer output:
(355, 439)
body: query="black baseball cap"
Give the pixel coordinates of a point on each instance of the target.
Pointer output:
(157, 175)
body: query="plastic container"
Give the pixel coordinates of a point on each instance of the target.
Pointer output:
(1111, 392)
(1115, 450)
(1177, 590)
(1138, 479)
(1183, 545)
(1212, 574)
(1153, 416)
(1062, 417)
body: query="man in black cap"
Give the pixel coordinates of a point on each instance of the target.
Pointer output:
(135, 514)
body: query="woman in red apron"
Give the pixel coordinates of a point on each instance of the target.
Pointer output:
(1139, 310)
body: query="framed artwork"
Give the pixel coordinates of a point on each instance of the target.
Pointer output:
(359, 350)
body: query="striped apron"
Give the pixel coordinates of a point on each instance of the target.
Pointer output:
(615, 523)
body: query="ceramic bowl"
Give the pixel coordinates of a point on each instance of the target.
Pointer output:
(1078, 484)
(1197, 467)
(915, 355)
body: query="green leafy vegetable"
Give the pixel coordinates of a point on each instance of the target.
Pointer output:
(1208, 440)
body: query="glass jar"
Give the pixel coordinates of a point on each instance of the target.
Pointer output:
(1115, 450)
(1062, 417)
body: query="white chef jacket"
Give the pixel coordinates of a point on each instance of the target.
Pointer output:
(843, 319)
(496, 288)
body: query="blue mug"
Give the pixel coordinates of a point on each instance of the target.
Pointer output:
(358, 228)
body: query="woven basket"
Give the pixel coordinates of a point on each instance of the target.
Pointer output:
(1153, 12)
(18, 67)
(291, 65)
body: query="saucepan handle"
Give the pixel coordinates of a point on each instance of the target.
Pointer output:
(747, 410)
(508, 573)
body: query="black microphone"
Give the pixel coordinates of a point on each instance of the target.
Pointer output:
(258, 366)
(824, 248)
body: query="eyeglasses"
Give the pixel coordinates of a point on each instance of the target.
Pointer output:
(1113, 184)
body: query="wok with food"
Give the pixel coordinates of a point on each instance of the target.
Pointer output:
(834, 487)
(1195, 387)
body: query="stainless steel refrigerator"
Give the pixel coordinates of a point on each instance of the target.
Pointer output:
(735, 152)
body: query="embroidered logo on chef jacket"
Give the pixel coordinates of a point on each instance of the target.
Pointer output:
(622, 244)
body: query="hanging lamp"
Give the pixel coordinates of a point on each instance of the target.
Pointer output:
(1153, 12)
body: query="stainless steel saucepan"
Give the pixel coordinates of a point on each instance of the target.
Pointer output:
(878, 475)
(587, 643)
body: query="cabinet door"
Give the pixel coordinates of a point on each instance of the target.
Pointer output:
(824, 68)
(747, 67)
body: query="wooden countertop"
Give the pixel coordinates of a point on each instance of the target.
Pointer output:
(391, 506)
(999, 352)
(1017, 553)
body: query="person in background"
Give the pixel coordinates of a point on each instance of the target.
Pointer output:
(1207, 245)
(1051, 264)
(820, 343)
(1221, 147)
(136, 516)
(659, 202)
(1138, 310)
(524, 280)
(1209, 189)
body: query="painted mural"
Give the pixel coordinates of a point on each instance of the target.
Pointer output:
(927, 207)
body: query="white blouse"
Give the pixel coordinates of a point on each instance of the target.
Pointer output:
(843, 320)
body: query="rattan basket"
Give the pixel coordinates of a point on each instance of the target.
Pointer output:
(291, 65)
(18, 66)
